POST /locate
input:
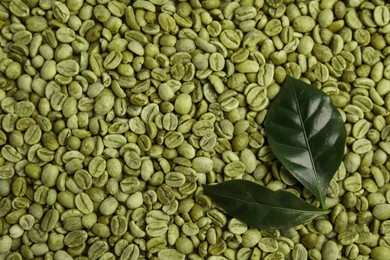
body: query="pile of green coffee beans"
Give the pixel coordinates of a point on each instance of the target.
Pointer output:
(113, 114)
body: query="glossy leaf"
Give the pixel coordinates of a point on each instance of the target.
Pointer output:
(260, 207)
(306, 134)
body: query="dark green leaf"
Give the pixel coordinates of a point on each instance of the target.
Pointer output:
(307, 135)
(260, 207)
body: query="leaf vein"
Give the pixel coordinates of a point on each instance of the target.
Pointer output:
(264, 205)
(307, 144)
(322, 130)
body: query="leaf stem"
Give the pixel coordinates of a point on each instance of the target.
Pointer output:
(322, 203)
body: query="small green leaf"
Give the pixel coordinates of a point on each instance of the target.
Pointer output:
(260, 207)
(306, 134)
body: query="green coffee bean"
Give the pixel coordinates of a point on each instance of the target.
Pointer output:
(84, 203)
(202, 164)
(6, 172)
(156, 244)
(50, 220)
(304, 24)
(166, 254)
(175, 179)
(381, 211)
(37, 235)
(34, 23)
(237, 227)
(173, 139)
(234, 169)
(361, 146)
(118, 225)
(108, 206)
(156, 229)
(360, 128)
(75, 238)
(97, 249)
(61, 12)
(381, 16)
(27, 221)
(330, 250)
(97, 166)
(165, 194)
(130, 252)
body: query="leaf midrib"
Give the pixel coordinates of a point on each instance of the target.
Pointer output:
(271, 206)
(307, 144)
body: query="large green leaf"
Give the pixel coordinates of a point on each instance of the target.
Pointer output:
(306, 134)
(260, 207)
